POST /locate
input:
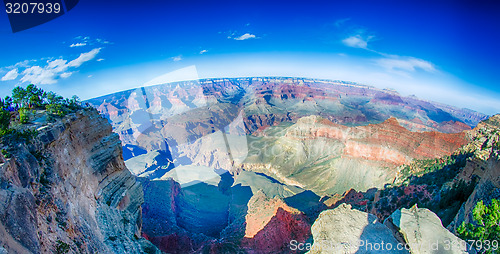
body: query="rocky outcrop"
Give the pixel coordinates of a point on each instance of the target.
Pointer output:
(271, 225)
(423, 232)
(68, 190)
(344, 230)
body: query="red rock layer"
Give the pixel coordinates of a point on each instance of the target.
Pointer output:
(387, 141)
(271, 224)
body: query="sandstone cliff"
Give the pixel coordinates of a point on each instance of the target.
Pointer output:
(68, 190)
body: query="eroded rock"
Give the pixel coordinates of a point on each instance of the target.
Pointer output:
(345, 230)
(424, 233)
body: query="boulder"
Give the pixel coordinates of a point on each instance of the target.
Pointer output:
(345, 230)
(423, 232)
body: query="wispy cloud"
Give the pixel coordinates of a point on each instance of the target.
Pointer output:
(86, 40)
(11, 75)
(54, 69)
(80, 44)
(404, 63)
(66, 74)
(356, 41)
(177, 58)
(84, 57)
(360, 37)
(203, 52)
(245, 36)
(100, 59)
(341, 22)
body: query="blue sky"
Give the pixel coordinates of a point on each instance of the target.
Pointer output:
(445, 51)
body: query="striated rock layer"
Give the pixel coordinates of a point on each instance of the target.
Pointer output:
(330, 158)
(68, 190)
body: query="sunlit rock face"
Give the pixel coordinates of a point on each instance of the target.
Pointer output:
(206, 150)
(423, 232)
(69, 189)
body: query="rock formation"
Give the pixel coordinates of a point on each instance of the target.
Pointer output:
(423, 232)
(271, 224)
(484, 164)
(68, 190)
(345, 230)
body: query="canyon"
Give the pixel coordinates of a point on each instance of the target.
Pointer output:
(245, 165)
(208, 149)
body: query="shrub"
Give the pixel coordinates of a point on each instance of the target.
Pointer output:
(486, 224)
(55, 109)
(24, 115)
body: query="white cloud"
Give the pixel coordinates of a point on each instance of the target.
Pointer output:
(55, 69)
(177, 58)
(66, 74)
(84, 57)
(24, 63)
(87, 41)
(203, 52)
(245, 37)
(100, 59)
(80, 44)
(11, 75)
(356, 41)
(400, 63)
(38, 75)
(89, 76)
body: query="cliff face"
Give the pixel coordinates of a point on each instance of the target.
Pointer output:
(68, 190)
(484, 164)
(271, 224)
(329, 158)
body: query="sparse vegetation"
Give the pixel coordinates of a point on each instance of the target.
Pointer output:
(485, 227)
(431, 184)
(22, 107)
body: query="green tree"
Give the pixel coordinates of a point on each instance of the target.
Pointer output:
(7, 102)
(35, 96)
(53, 98)
(486, 225)
(19, 96)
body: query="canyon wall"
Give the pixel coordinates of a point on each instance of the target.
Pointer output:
(67, 190)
